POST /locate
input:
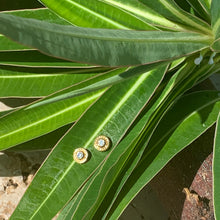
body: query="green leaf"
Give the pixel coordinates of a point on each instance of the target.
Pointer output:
(102, 46)
(200, 7)
(145, 13)
(43, 14)
(113, 112)
(196, 113)
(2, 113)
(7, 44)
(106, 176)
(30, 82)
(100, 14)
(40, 14)
(25, 124)
(216, 45)
(99, 82)
(170, 10)
(216, 170)
(45, 142)
(33, 58)
(175, 87)
(215, 18)
(99, 183)
(206, 4)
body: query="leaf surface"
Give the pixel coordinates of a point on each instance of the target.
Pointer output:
(40, 14)
(100, 14)
(145, 13)
(44, 142)
(102, 46)
(178, 132)
(170, 10)
(25, 124)
(216, 170)
(201, 8)
(29, 82)
(113, 114)
(215, 18)
(134, 142)
(33, 58)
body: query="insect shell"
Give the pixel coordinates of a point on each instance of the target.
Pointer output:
(80, 155)
(102, 143)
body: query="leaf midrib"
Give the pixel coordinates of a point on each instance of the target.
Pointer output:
(99, 15)
(54, 115)
(148, 36)
(176, 124)
(183, 17)
(123, 100)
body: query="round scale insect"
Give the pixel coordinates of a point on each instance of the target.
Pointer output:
(80, 155)
(102, 143)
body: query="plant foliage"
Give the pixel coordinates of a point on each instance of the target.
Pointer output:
(123, 69)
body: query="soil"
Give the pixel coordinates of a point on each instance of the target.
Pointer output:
(184, 186)
(16, 172)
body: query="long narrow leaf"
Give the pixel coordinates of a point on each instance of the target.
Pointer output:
(108, 173)
(45, 142)
(170, 10)
(33, 58)
(29, 82)
(26, 124)
(102, 46)
(201, 9)
(197, 118)
(55, 114)
(113, 114)
(215, 12)
(101, 81)
(40, 14)
(216, 171)
(99, 14)
(145, 13)
(175, 82)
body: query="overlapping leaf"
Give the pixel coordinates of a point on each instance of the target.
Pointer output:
(102, 46)
(215, 18)
(187, 126)
(98, 15)
(170, 10)
(113, 114)
(201, 8)
(29, 82)
(25, 124)
(40, 14)
(99, 82)
(33, 58)
(215, 12)
(216, 170)
(39, 118)
(45, 142)
(145, 13)
(96, 189)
